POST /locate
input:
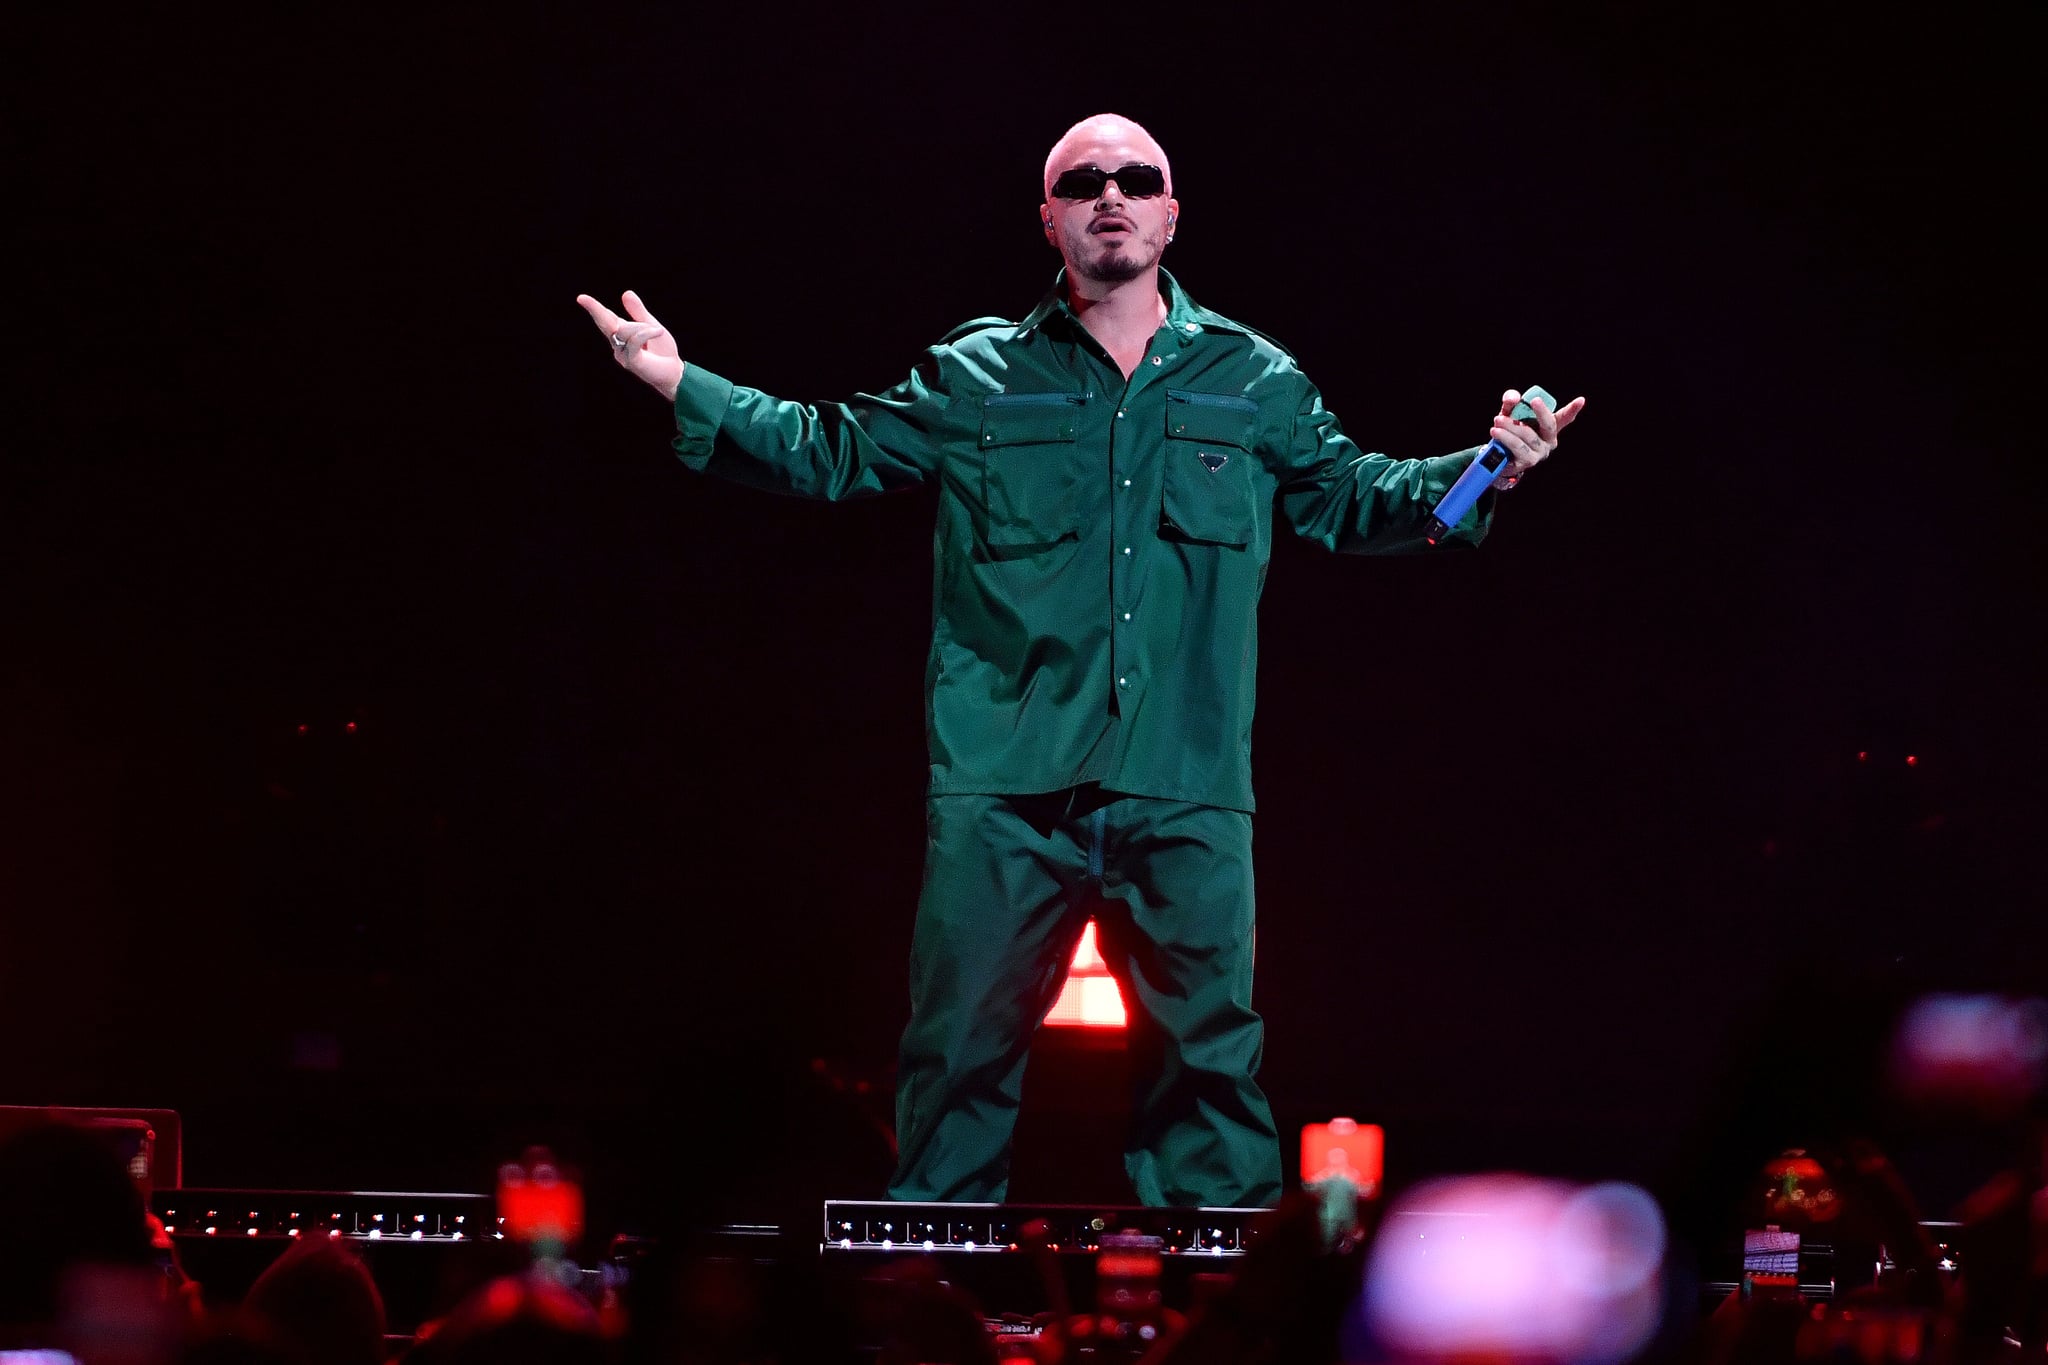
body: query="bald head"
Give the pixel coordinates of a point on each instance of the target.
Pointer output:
(1109, 237)
(1094, 138)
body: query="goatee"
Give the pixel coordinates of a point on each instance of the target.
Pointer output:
(1115, 267)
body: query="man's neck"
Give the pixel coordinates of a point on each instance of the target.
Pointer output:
(1122, 316)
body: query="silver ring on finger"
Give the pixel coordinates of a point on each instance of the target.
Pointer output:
(618, 342)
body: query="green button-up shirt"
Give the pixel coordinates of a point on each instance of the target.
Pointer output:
(1101, 542)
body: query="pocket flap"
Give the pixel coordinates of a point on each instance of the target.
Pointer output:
(1018, 419)
(1214, 418)
(1027, 494)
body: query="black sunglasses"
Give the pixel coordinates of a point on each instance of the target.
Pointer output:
(1085, 182)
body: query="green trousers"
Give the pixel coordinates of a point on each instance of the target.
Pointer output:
(1009, 884)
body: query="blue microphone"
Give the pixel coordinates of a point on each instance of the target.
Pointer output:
(1485, 467)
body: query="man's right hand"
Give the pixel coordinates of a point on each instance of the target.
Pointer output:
(639, 343)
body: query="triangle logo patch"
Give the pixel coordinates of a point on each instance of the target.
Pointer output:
(1213, 462)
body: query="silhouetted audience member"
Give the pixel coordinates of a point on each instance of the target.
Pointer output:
(1286, 1300)
(77, 1260)
(517, 1320)
(1908, 1097)
(923, 1320)
(317, 1305)
(216, 1341)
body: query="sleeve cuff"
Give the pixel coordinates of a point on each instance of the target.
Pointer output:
(1478, 519)
(701, 400)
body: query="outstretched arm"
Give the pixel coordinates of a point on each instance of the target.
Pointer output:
(1358, 502)
(869, 444)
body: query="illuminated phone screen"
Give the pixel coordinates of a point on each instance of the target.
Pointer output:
(1345, 1149)
(1770, 1251)
(1127, 1277)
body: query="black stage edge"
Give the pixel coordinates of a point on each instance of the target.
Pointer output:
(427, 1251)
(865, 1226)
(1010, 1260)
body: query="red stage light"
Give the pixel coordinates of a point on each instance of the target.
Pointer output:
(1347, 1149)
(350, 727)
(304, 728)
(1863, 755)
(1090, 999)
(1912, 761)
(537, 1202)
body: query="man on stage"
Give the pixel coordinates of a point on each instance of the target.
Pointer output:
(1108, 468)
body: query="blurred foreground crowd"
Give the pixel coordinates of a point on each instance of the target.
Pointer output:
(1722, 1268)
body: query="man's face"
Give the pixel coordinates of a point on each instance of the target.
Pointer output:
(1113, 236)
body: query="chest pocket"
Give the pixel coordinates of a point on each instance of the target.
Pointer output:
(1209, 460)
(1028, 467)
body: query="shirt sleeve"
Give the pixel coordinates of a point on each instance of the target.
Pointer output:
(1356, 502)
(872, 443)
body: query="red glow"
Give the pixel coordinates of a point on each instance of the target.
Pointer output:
(1344, 1148)
(1912, 761)
(537, 1211)
(304, 728)
(1863, 755)
(539, 1203)
(1090, 999)
(502, 1299)
(350, 727)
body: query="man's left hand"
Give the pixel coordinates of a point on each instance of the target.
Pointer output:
(1529, 445)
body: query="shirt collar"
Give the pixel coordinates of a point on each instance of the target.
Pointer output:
(1185, 318)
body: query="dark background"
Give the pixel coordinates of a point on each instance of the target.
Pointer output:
(622, 854)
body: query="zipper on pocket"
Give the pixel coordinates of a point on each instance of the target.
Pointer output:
(1004, 400)
(1211, 400)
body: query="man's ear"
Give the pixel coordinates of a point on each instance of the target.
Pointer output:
(1045, 221)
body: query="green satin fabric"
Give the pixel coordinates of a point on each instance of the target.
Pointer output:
(1101, 543)
(1009, 884)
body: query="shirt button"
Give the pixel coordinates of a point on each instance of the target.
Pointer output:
(1127, 616)
(1156, 360)
(1120, 412)
(1127, 549)
(1123, 682)
(1127, 483)
(1192, 327)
